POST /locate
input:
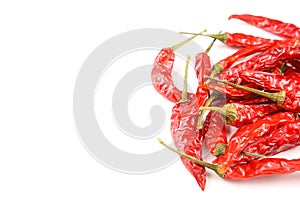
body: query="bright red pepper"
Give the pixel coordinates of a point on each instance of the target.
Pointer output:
(272, 25)
(241, 138)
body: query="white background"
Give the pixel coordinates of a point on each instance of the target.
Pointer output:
(42, 47)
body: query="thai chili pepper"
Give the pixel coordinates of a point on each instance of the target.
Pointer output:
(290, 84)
(274, 26)
(241, 138)
(238, 115)
(273, 57)
(214, 131)
(162, 73)
(282, 139)
(255, 168)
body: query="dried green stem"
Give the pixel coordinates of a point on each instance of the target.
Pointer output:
(195, 160)
(176, 46)
(220, 150)
(201, 116)
(278, 97)
(228, 111)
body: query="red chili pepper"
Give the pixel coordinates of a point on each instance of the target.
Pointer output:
(271, 58)
(255, 168)
(290, 84)
(238, 115)
(282, 139)
(272, 25)
(264, 167)
(162, 73)
(214, 131)
(241, 138)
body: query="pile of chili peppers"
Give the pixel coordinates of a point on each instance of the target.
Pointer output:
(256, 90)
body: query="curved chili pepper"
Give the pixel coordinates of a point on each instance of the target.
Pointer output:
(290, 84)
(255, 168)
(263, 167)
(238, 115)
(161, 74)
(281, 139)
(272, 25)
(241, 138)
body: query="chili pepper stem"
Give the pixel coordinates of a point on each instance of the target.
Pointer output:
(184, 92)
(221, 36)
(253, 154)
(176, 46)
(216, 70)
(229, 112)
(210, 166)
(278, 97)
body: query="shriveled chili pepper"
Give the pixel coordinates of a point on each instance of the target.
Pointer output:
(266, 60)
(214, 131)
(238, 115)
(290, 84)
(241, 138)
(274, 26)
(162, 73)
(255, 168)
(279, 140)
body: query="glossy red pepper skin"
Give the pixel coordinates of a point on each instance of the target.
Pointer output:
(260, 168)
(274, 26)
(202, 66)
(271, 58)
(273, 82)
(256, 100)
(162, 75)
(242, 137)
(282, 139)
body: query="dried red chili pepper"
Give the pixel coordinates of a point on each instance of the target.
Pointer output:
(271, 58)
(274, 26)
(162, 73)
(214, 131)
(255, 168)
(241, 138)
(290, 84)
(279, 140)
(238, 115)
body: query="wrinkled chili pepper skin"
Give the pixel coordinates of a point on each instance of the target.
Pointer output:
(162, 75)
(266, 60)
(260, 168)
(195, 150)
(273, 82)
(256, 100)
(214, 131)
(282, 139)
(241, 138)
(202, 66)
(247, 114)
(243, 40)
(239, 54)
(274, 26)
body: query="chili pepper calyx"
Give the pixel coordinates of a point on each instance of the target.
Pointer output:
(228, 111)
(220, 149)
